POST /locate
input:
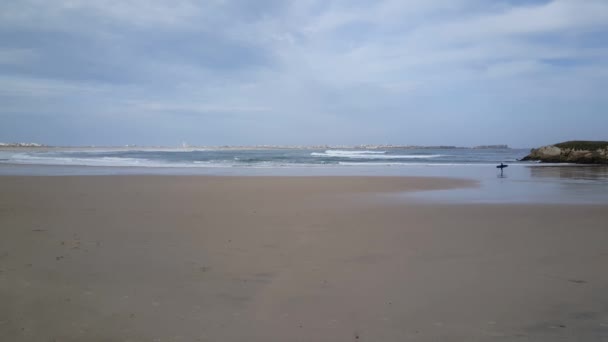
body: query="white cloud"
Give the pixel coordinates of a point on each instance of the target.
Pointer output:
(554, 17)
(303, 61)
(196, 108)
(66, 14)
(16, 56)
(32, 87)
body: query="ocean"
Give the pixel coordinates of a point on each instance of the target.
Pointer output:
(521, 182)
(259, 158)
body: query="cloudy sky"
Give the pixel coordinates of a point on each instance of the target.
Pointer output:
(155, 72)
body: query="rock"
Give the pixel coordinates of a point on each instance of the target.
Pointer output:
(578, 152)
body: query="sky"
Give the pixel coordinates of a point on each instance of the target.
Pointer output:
(221, 72)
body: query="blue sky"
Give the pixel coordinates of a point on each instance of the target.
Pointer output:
(152, 72)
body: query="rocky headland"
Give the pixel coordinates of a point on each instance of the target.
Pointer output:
(578, 152)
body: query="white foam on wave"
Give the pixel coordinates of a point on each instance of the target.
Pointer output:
(348, 152)
(43, 159)
(377, 160)
(22, 158)
(371, 155)
(100, 150)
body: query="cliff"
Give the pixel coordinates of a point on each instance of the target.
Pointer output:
(579, 152)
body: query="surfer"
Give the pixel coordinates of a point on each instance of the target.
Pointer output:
(501, 167)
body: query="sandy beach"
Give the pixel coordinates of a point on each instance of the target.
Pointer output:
(204, 258)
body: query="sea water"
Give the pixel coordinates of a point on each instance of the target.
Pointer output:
(256, 158)
(521, 182)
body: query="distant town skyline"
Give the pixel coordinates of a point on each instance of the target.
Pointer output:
(465, 73)
(187, 146)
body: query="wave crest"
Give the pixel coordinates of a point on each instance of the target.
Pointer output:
(371, 155)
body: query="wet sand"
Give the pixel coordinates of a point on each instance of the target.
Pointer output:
(199, 258)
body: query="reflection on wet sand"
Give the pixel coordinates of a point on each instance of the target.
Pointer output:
(572, 184)
(575, 172)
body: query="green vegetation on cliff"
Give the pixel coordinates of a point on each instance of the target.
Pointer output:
(580, 145)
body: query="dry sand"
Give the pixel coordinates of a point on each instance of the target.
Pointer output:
(162, 258)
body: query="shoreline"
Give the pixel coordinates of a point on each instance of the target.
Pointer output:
(522, 184)
(319, 183)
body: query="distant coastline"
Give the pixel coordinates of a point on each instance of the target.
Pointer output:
(21, 145)
(255, 147)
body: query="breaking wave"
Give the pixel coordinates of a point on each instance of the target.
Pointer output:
(371, 155)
